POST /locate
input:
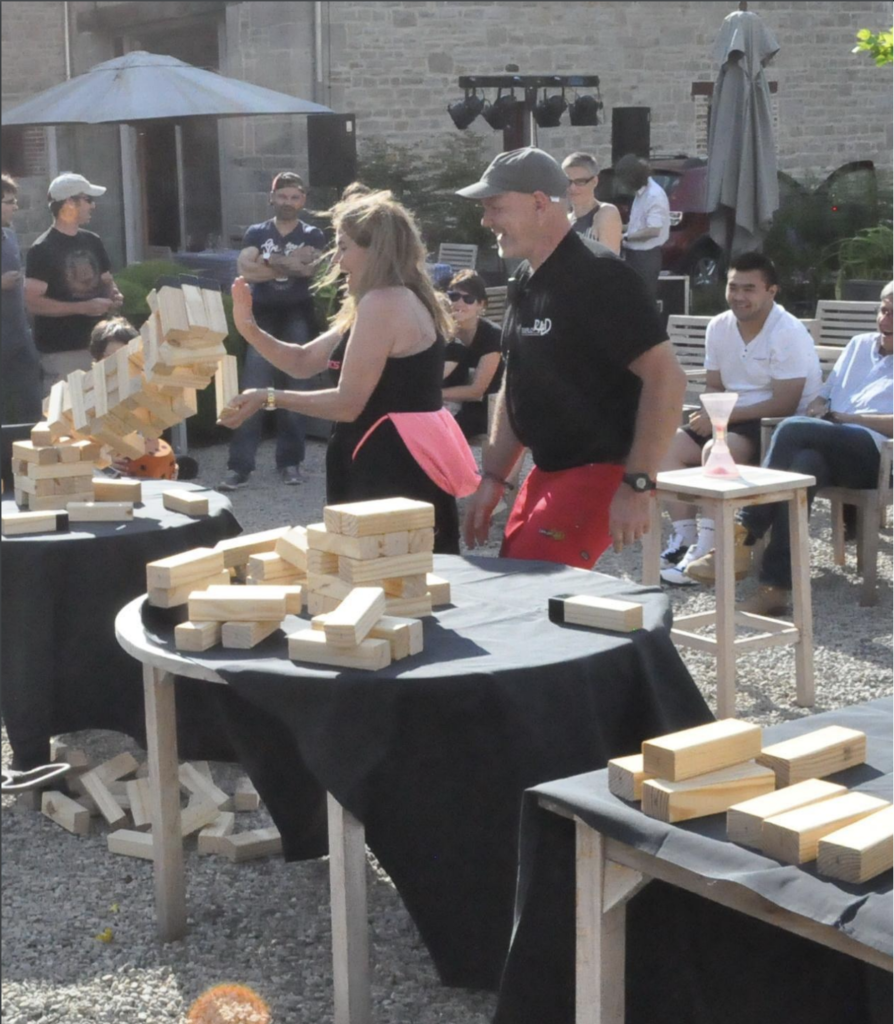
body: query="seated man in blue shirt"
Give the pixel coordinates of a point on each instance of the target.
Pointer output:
(838, 441)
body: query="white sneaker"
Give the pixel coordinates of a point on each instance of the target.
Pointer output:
(676, 574)
(674, 552)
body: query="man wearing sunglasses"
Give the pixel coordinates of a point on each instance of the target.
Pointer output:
(68, 280)
(591, 386)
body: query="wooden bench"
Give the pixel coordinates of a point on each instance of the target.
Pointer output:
(458, 255)
(687, 336)
(496, 303)
(838, 322)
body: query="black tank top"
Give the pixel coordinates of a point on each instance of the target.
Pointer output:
(408, 383)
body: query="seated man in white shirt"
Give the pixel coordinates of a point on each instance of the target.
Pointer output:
(838, 441)
(768, 358)
(648, 227)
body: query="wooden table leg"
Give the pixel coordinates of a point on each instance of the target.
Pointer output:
(651, 546)
(350, 928)
(802, 609)
(161, 744)
(599, 971)
(725, 598)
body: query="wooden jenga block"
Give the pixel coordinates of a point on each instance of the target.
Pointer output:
(74, 485)
(59, 470)
(412, 607)
(626, 777)
(319, 603)
(705, 794)
(175, 570)
(355, 571)
(186, 403)
(17, 523)
(259, 842)
(350, 623)
(268, 565)
(130, 444)
(89, 451)
(211, 836)
(322, 563)
(197, 815)
(292, 547)
(381, 545)
(311, 645)
(385, 515)
(189, 503)
(860, 851)
(293, 594)
(198, 783)
(226, 383)
(179, 355)
(242, 636)
(57, 502)
(41, 435)
(27, 451)
(744, 820)
(237, 550)
(215, 316)
(421, 540)
(332, 586)
(406, 586)
(61, 752)
(98, 791)
(191, 290)
(68, 453)
(596, 612)
(115, 768)
(244, 604)
(130, 843)
(65, 812)
(438, 589)
(138, 795)
(100, 512)
(815, 754)
(82, 411)
(196, 636)
(793, 837)
(173, 597)
(245, 796)
(37, 488)
(706, 748)
(404, 635)
(173, 318)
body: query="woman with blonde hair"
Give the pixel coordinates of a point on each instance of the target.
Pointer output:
(385, 355)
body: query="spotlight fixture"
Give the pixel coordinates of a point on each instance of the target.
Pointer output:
(463, 112)
(585, 111)
(548, 112)
(499, 113)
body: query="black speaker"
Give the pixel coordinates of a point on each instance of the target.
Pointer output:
(331, 150)
(631, 132)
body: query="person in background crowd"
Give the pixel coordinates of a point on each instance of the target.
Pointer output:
(590, 218)
(385, 355)
(648, 227)
(68, 280)
(277, 259)
(20, 370)
(474, 366)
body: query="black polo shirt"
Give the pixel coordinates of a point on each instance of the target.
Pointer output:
(572, 328)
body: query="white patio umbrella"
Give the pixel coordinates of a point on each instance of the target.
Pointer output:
(742, 191)
(143, 86)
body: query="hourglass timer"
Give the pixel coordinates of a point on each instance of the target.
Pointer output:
(719, 406)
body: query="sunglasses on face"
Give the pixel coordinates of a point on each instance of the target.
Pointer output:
(581, 181)
(469, 300)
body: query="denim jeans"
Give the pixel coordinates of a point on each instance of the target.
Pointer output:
(20, 381)
(837, 454)
(288, 324)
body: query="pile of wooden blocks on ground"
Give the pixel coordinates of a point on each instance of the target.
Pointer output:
(118, 790)
(774, 797)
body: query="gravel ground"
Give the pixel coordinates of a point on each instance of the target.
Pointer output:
(265, 923)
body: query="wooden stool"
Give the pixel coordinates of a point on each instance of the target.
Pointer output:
(720, 498)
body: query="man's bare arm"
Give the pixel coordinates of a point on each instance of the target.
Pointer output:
(252, 267)
(39, 305)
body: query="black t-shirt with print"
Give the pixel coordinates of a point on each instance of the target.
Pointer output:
(72, 266)
(472, 416)
(572, 329)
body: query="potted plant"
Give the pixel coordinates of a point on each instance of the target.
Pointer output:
(864, 264)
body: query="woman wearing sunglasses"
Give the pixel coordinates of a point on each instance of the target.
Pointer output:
(474, 365)
(385, 355)
(590, 218)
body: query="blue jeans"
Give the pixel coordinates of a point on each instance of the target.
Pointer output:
(288, 324)
(837, 454)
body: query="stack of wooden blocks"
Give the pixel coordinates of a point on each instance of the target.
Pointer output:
(722, 767)
(49, 475)
(118, 790)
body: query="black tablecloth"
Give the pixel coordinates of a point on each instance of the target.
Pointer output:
(61, 666)
(689, 959)
(433, 754)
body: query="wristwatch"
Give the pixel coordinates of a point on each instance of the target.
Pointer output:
(640, 482)
(270, 404)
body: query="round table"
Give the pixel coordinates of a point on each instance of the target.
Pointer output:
(61, 668)
(432, 755)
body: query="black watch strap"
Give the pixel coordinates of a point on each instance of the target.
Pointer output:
(640, 482)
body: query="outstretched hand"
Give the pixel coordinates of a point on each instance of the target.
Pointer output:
(241, 408)
(243, 314)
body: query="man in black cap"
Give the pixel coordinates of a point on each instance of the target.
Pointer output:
(592, 386)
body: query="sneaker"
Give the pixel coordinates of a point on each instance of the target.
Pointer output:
(676, 574)
(772, 601)
(233, 480)
(702, 569)
(291, 475)
(674, 552)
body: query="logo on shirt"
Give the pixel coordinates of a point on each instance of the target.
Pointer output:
(540, 328)
(334, 364)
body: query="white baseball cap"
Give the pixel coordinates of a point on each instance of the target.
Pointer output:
(68, 185)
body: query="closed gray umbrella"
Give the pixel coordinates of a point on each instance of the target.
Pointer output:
(144, 86)
(742, 191)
